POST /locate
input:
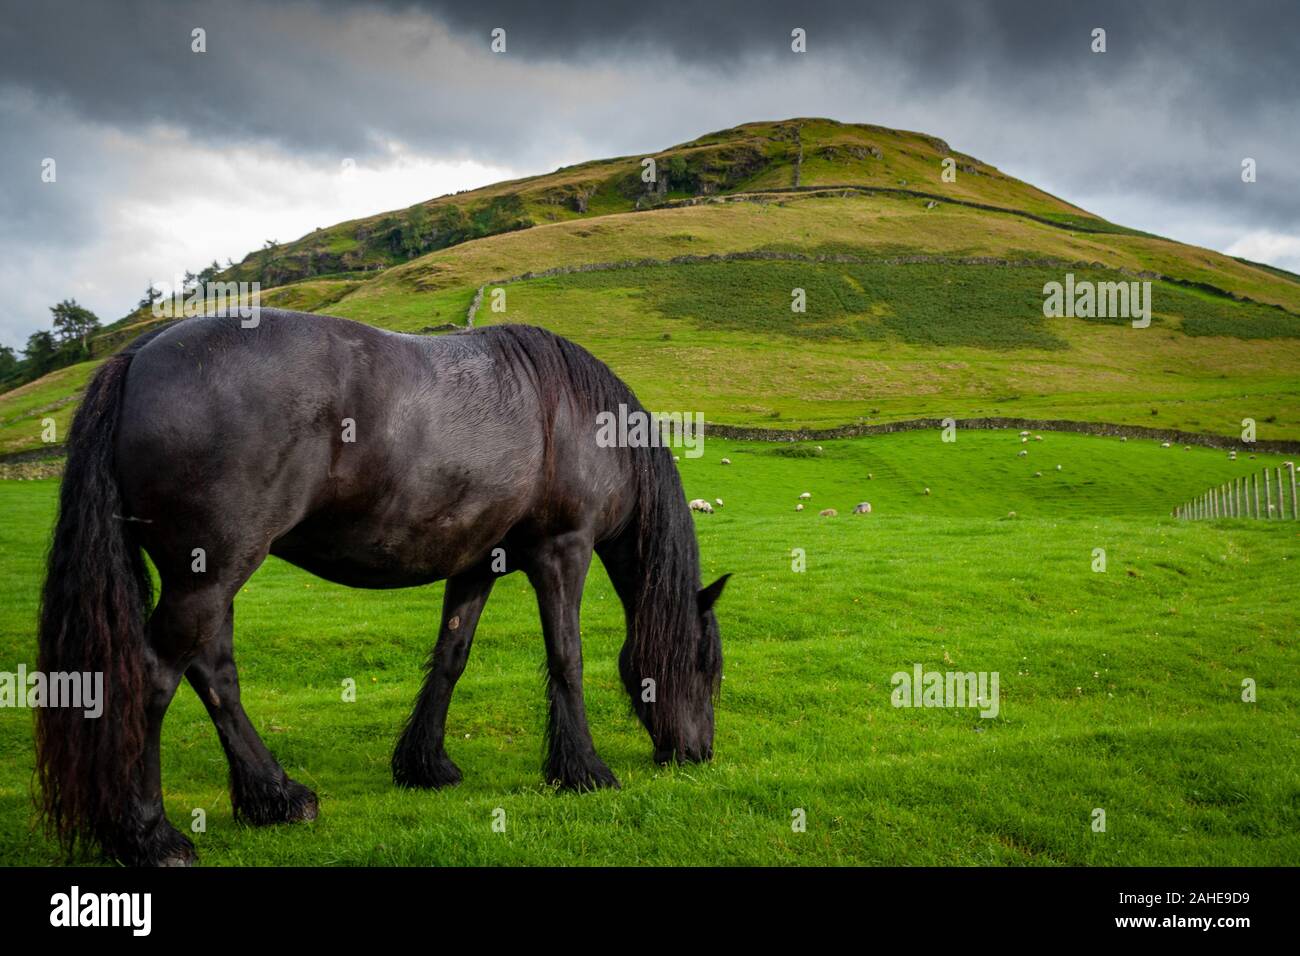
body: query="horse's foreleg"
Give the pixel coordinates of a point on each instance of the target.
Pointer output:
(420, 758)
(557, 573)
(260, 791)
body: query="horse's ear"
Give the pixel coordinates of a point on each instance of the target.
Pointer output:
(709, 596)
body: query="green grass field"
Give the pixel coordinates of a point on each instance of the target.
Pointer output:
(886, 343)
(1118, 690)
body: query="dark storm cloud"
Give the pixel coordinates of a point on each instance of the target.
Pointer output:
(946, 36)
(275, 71)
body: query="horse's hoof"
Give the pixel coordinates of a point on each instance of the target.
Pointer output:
(304, 805)
(433, 773)
(666, 757)
(585, 777)
(278, 801)
(164, 846)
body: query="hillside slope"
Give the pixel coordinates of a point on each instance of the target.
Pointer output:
(923, 297)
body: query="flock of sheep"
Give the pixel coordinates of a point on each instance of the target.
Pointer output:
(861, 508)
(1024, 440)
(864, 507)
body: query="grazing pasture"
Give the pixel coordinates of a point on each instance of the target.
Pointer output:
(1119, 690)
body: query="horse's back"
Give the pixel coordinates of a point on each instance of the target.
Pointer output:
(367, 457)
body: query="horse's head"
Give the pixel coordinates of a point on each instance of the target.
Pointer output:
(676, 708)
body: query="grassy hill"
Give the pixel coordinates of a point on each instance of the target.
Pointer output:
(749, 158)
(924, 297)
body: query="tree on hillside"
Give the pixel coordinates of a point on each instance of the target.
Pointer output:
(73, 322)
(41, 354)
(415, 231)
(389, 232)
(151, 296)
(8, 365)
(453, 224)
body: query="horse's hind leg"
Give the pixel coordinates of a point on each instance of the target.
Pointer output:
(420, 758)
(182, 623)
(557, 572)
(260, 791)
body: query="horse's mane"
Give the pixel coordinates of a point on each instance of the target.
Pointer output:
(664, 608)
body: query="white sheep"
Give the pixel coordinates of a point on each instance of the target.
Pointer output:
(805, 496)
(1022, 454)
(828, 513)
(862, 508)
(798, 507)
(927, 491)
(699, 504)
(718, 502)
(725, 461)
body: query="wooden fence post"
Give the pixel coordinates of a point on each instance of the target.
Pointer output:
(1268, 494)
(1254, 481)
(1295, 505)
(1281, 495)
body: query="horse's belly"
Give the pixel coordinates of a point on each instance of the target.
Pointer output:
(356, 573)
(367, 552)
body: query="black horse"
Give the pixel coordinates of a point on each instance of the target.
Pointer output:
(375, 460)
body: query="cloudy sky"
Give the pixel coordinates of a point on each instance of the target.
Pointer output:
(166, 159)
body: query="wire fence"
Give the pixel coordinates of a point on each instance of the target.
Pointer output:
(1261, 495)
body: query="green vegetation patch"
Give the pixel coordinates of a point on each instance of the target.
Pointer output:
(937, 304)
(920, 304)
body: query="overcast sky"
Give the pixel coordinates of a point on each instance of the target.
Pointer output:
(167, 159)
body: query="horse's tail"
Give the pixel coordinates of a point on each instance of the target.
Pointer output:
(92, 621)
